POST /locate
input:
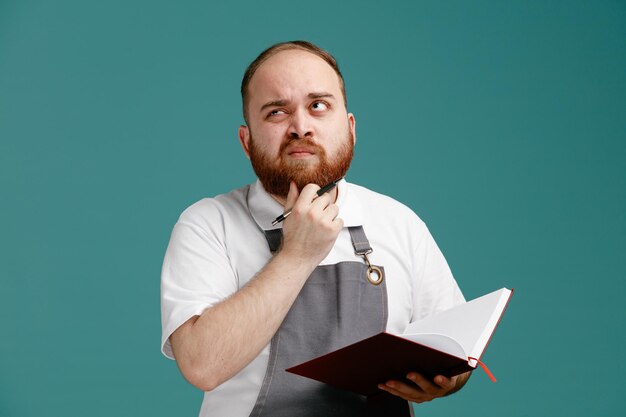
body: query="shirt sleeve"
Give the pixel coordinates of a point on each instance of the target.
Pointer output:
(197, 272)
(437, 289)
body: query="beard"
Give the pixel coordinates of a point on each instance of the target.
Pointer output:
(277, 173)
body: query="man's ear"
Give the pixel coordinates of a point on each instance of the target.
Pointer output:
(244, 139)
(352, 127)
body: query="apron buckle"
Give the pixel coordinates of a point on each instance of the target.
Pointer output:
(375, 275)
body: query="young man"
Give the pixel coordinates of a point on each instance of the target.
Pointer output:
(242, 300)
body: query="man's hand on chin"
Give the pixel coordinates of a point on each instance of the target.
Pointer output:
(423, 389)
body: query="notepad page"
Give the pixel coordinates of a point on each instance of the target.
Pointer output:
(470, 323)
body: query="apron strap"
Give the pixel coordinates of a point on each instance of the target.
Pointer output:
(361, 245)
(359, 240)
(375, 274)
(274, 238)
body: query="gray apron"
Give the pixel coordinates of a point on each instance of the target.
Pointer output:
(336, 307)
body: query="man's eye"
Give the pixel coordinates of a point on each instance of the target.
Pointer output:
(319, 106)
(275, 113)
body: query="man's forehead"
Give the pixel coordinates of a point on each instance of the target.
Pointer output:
(291, 70)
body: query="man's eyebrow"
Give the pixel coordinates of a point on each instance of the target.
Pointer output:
(321, 95)
(275, 103)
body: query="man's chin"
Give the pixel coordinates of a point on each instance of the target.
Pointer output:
(308, 163)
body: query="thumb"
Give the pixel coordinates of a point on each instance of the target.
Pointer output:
(292, 197)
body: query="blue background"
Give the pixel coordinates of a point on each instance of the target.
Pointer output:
(502, 124)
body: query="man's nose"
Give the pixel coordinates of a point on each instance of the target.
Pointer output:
(300, 126)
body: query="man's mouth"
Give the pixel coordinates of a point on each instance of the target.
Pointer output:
(300, 152)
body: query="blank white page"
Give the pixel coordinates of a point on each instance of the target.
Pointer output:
(470, 324)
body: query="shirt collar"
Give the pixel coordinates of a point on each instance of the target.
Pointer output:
(264, 209)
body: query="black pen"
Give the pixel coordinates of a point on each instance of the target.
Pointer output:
(321, 191)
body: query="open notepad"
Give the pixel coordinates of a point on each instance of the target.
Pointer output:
(447, 343)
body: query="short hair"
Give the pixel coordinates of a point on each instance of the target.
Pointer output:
(286, 46)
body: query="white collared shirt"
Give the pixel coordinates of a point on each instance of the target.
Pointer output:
(217, 246)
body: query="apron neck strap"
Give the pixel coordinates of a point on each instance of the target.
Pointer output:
(274, 238)
(359, 240)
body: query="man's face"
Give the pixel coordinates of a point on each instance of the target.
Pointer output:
(299, 128)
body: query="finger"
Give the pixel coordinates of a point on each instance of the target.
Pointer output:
(389, 388)
(445, 383)
(338, 223)
(330, 212)
(292, 196)
(424, 383)
(321, 202)
(308, 193)
(405, 392)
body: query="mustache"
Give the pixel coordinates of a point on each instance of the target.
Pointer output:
(305, 142)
